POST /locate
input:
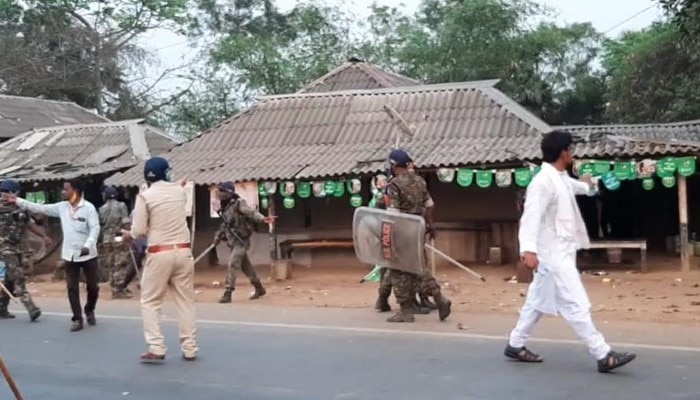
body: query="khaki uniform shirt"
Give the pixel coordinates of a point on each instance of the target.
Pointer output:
(160, 214)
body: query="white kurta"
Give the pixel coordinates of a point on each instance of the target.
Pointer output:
(557, 288)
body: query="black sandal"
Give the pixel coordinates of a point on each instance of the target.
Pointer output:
(522, 354)
(614, 360)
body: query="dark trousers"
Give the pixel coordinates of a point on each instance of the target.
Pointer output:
(91, 270)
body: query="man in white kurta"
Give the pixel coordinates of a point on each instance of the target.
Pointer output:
(551, 232)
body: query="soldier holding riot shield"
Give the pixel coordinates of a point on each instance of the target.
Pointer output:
(407, 193)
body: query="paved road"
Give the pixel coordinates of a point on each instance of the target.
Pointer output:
(256, 361)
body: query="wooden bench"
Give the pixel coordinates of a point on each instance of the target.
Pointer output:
(624, 244)
(288, 246)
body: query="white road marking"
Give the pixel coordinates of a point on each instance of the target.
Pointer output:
(384, 331)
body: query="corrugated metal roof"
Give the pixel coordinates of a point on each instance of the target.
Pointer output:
(21, 114)
(77, 150)
(684, 130)
(317, 135)
(357, 74)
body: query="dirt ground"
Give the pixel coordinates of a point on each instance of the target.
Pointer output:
(662, 295)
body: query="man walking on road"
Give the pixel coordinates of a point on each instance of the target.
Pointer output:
(551, 232)
(160, 215)
(81, 228)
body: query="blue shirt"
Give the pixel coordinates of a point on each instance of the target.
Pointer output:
(80, 225)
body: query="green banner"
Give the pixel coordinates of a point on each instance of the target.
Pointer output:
(648, 183)
(304, 190)
(523, 177)
(264, 202)
(465, 177)
(623, 170)
(668, 181)
(587, 169)
(666, 167)
(329, 187)
(288, 202)
(261, 189)
(355, 200)
(484, 178)
(611, 181)
(339, 189)
(600, 168)
(686, 166)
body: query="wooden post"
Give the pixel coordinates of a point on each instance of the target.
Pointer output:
(273, 231)
(683, 215)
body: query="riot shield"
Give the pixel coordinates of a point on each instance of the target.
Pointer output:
(389, 239)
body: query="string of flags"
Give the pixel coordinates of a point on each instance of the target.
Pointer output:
(304, 190)
(611, 173)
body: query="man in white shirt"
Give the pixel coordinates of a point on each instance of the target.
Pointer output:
(81, 228)
(551, 232)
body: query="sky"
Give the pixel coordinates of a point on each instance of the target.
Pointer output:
(609, 16)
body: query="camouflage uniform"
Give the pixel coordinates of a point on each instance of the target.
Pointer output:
(408, 193)
(236, 229)
(13, 226)
(113, 216)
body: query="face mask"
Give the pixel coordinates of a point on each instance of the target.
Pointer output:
(169, 175)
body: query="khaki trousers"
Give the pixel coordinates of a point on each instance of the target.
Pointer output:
(172, 270)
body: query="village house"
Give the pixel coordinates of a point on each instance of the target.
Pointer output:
(42, 159)
(476, 147)
(21, 114)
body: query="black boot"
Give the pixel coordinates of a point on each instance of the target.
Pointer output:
(34, 313)
(444, 306)
(405, 314)
(4, 314)
(226, 297)
(417, 309)
(426, 303)
(259, 291)
(382, 304)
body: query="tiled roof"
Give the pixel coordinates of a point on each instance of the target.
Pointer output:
(318, 135)
(356, 75)
(685, 130)
(71, 151)
(21, 114)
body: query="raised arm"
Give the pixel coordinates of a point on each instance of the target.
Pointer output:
(50, 210)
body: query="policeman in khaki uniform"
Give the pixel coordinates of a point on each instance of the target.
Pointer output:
(160, 215)
(408, 193)
(236, 228)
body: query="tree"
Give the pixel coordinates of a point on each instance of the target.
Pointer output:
(212, 96)
(543, 68)
(76, 49)
(276, 52)
(652, 76)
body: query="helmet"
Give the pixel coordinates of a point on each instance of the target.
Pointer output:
(399, 158)
(10, 185)
(228, 187)
(111, 192)
(157, 169)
